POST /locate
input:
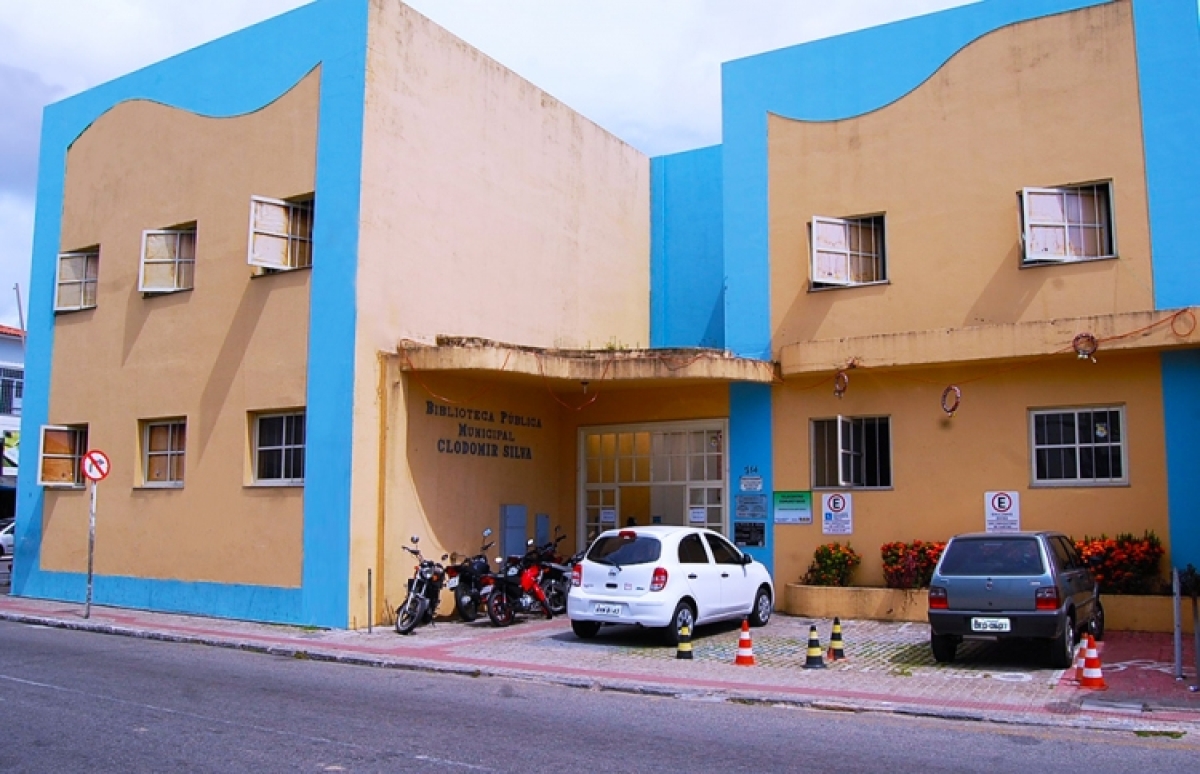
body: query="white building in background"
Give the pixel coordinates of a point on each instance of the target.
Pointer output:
(12, 386)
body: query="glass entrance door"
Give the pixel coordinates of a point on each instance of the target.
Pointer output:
(653, 474)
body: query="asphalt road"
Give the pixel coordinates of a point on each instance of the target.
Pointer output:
(76, 701)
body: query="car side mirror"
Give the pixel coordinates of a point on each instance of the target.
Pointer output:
(414, 540)
(487, 533)
(747, 559)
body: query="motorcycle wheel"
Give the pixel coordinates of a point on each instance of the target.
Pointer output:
(499, 608)
(466, 605)
(556, 595)
(410, 614)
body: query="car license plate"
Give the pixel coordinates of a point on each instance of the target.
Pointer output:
(602, 609)
(990, 625)
(452, 582)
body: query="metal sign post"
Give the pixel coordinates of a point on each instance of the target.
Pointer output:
(87, 607)
(95, 467)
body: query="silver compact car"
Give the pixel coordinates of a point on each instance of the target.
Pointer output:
(1018, 585)
(667, 578)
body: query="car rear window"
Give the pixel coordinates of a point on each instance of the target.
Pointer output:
(625, 550)
(993, 556)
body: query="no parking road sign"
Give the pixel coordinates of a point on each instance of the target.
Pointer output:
(1002, 511)
(95, 465)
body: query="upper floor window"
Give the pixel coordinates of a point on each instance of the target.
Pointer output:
(280, 233)
(848, 251)
(1071, 223)
(75, 281)
(168, 259)
(163, 445)
(852, 452)
(278, 448)
(12, 388)
(62, 452)
(1078, 446)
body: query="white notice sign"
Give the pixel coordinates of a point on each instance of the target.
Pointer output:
(1002, 511)
(837, 514)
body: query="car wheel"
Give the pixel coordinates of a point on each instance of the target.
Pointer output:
(585, 630)
(1096, 624)
(1062, 648)
(944, 647)
(684, 616)
(761, 613)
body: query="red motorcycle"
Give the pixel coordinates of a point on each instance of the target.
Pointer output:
(518, 588)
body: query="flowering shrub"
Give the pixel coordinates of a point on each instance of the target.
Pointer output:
(832, 565)
(909, 565)
(1124, 564)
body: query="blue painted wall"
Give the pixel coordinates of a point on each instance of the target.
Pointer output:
(1181, 406)
(687, 266)
(1168, 52)
(234, 75)
(750, 454)
(1168, 42)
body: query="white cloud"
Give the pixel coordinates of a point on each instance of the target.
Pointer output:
(16, 244)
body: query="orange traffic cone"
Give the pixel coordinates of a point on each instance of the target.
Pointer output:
(1092, 676)
(1080, 656)
(745, 651)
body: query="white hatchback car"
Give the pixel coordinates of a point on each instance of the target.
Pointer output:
(666, 577)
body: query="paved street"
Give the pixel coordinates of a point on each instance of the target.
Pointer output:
(79, 700)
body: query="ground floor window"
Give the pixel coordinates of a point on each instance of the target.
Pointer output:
(62, 453)
(852, 452)
(163, 444)
(1078, 446)
(279, 448)
(653, 474)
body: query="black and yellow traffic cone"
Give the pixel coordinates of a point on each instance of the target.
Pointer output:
(685, 644)
(837, 649)
(814, 660)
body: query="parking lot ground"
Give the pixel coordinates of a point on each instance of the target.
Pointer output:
(889, 666)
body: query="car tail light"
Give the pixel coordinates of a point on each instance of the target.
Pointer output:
(627, 534)
(659, 580)
(1046, 598)
(938, 599)
(576, 576)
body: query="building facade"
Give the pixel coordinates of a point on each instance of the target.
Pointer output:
(338, 279)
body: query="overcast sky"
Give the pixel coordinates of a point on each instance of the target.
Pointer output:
(646, 70)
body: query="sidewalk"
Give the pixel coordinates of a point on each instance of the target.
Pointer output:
(889, 669)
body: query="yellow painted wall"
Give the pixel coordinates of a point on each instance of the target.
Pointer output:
(942, 466)
(488, 209)
(1042, 103)
(447, 499)
(212, 354)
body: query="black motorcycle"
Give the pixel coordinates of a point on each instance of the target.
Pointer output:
(556, 574)
(424, 590)
(467, 578)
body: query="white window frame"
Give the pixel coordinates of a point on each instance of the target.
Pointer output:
(847, 451)
(1076, 446)
(299, 246)
(255, 449)
(89, 256)
(174, 455)
(1065, 224)
(80, 433)
(175, 260)
(823, 275)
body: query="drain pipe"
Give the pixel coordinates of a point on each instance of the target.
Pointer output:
(1178, 624)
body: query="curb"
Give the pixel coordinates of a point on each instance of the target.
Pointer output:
(1120, 722)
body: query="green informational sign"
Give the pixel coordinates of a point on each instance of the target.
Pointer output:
(793, 508)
